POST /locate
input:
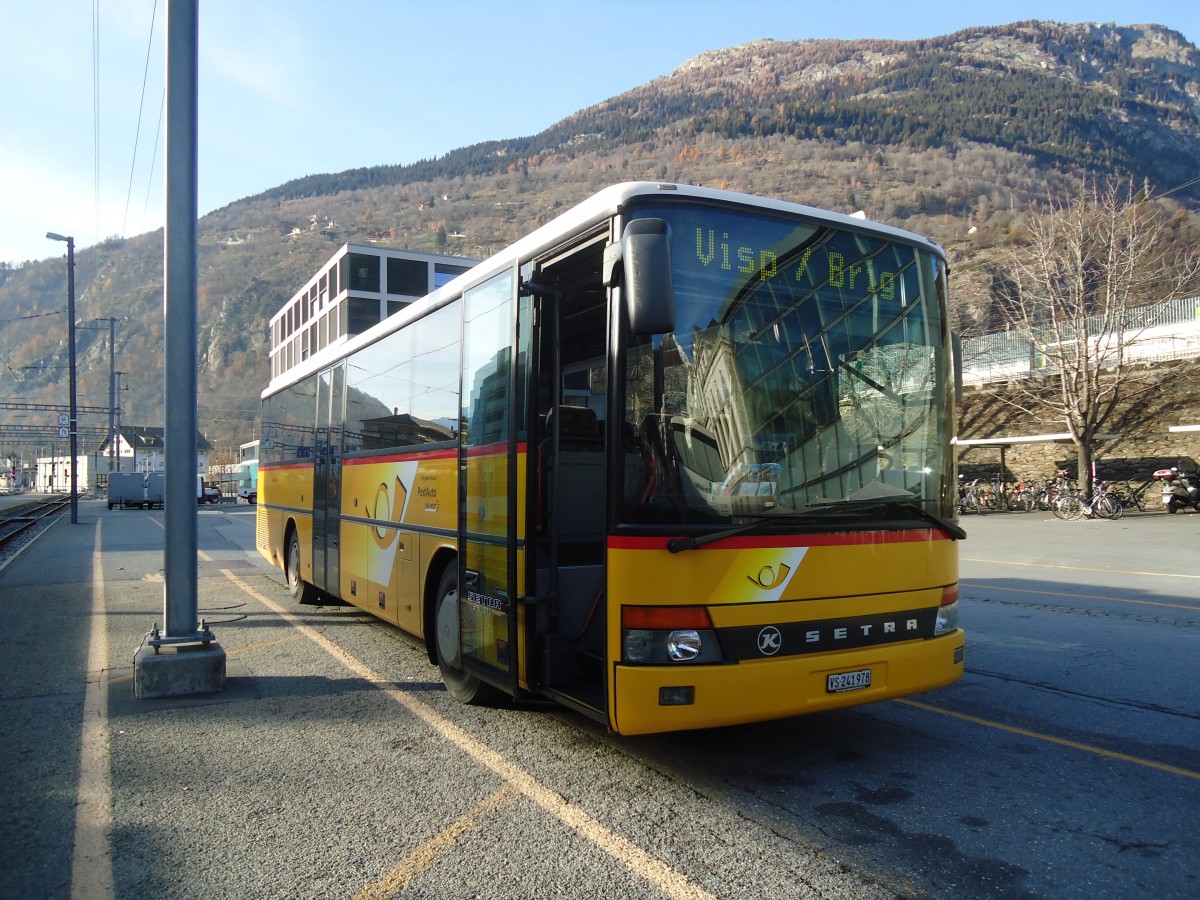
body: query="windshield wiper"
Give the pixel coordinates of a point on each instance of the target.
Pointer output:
(956, 533)
(818, 507)
(676, 545)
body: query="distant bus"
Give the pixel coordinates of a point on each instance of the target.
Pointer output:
(247, 472)
(679, 458)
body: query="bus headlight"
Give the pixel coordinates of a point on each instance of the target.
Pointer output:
(658, 635)
(637, 646)
(947, 619)
(687, 645)
(684, 646)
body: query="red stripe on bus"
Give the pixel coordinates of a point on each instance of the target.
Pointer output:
(497, 449)
(774, 541)
(488, 450)
(277, 466)
(401, 457)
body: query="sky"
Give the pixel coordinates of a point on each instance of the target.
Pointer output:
(289, 88)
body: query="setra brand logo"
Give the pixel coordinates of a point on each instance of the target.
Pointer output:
(769, 641)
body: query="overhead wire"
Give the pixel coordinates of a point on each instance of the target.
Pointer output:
(154, 156)
(141, 108)
(1180, 187)
(96, 109)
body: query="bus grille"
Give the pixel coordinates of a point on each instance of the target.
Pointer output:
(261, 529)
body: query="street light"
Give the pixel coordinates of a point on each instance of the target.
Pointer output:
(73, 424)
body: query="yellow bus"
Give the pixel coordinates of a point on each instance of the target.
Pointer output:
(679, 458)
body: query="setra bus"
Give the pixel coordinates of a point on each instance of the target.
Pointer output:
(679, 458)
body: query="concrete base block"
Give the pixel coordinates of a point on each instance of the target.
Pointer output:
(175, 671)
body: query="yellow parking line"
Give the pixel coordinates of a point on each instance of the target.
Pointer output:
(1000, 587)
(1032, 565)
(1051, 739)
(637, 860)
(428, 853)
(260, 645)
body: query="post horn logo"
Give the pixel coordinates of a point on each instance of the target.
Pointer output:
(770, 577)
(387, 509)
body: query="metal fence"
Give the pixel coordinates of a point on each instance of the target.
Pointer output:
(1163, 331)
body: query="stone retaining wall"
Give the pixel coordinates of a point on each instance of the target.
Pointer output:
(1142, 441)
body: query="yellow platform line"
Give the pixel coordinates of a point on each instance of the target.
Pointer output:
(91, 858)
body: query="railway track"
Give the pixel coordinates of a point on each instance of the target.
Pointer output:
(22, 521)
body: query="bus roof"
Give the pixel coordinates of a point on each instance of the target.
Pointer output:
(595, 209)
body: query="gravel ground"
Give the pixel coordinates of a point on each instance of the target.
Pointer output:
(10, 550)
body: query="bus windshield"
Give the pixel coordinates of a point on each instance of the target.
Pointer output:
(809, 365)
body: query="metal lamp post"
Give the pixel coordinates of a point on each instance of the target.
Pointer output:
(117, 427)
(112, 379)
(73, 423)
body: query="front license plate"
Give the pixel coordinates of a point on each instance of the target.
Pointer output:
(848, 681)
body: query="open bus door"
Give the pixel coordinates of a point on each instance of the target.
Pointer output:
(490, 528)
(568, 473)
(532, 598)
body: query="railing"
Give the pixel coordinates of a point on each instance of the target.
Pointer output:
(1161, 332)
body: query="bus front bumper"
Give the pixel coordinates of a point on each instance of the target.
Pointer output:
(646, 699)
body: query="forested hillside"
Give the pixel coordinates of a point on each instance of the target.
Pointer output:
(954, 137)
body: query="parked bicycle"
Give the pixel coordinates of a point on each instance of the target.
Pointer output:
(968, 497)
(1059, 485)
(1103, 504)
(1023, 497)
(1129, 496)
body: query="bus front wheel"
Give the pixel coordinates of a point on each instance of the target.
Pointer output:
(299, 589)
(463, 687)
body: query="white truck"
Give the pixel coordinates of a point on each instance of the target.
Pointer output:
(156, 490)
(126, 490)
(205, 492)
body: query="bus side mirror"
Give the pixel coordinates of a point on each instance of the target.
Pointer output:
(641, 263)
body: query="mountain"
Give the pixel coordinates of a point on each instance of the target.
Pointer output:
(950, 136)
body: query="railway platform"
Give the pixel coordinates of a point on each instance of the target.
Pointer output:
(77, 603)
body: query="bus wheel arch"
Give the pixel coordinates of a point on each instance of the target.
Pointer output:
(443, 561)
(461, 685)
(299, 589)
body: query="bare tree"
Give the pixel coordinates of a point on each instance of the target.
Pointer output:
(1085, 286)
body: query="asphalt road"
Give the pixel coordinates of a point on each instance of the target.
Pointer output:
(1064, 764)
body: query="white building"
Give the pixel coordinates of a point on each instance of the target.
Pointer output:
(356, 288)
(53, 474)
(140, 448)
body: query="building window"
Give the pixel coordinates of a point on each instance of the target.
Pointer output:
(444, 272)
(363, 314)
(409, 277)
(364, 272)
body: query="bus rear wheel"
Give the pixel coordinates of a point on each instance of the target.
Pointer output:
(299, 589)
(463, 687)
